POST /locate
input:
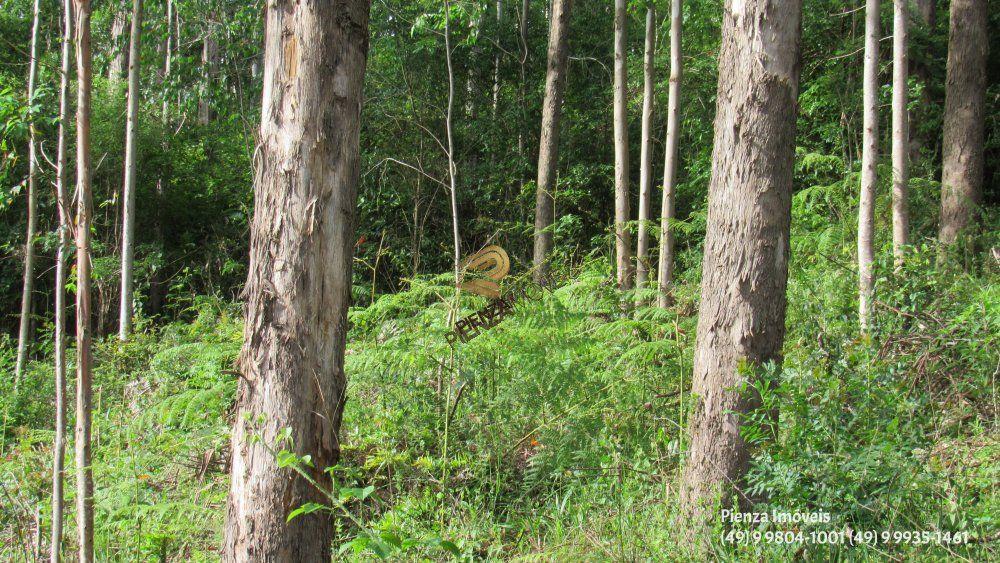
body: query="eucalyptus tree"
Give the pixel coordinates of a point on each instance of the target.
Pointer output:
(900, 131)
(869, 164)
(964, 118)
(84, 219)
(548, 151)
(667, 209)
(623, 239)
(741, 318)
(299, 285)
(28, 287)
(128, 219)
(645, 151)
(59, 337)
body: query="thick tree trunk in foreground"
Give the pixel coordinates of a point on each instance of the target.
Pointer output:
(964, 116)
(63, 209)
(84, 474)
(299, 287)
(24, 334)
(128, 221)
(645, 154)
(548, 150)
(623, 239)
(665, 274)
(869, 164)
(900, 132)
(741, 321)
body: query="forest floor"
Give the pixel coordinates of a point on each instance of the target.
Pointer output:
(556, 435)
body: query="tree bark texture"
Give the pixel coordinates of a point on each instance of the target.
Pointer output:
(84, 473)
(665, 273)
(28, 288)
(741, 321)
(869, 164)
(900, 132)
(548, 150)
(299, 286)
(964, 118)
(645, 152)
(623, 239)
(128, 219)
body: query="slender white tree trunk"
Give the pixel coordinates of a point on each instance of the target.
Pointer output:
(548, 147)
(452, 181)
(299, 284)
(84, 473)
(623, 239)
(964, 118)
(128, 221)
(118, 49)
(209, 70)
(900, 132)
(645, 153)
(741, 318)
(869, 164)
(496, 61)
(65, 217)
(666, 260)
(24, 334)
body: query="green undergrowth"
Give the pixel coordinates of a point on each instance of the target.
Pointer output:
(556, 435)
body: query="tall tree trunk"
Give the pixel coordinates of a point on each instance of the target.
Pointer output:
(666, 261)
(522, 151)
(167, 56)
(496, 60)
(63, 209)
(645, 153)
(84, 474)
(24, 334)
(741, 321)
(548, 149)
(869, 164)
(128, 220)
(209, 70)
(927, 10)
(119, 51)
(964, 116)
(900, 132)
(299, 286)
(623, 239)
(452, 173)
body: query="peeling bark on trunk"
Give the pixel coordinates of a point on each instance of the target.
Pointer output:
(84, 473)
(63, 204)
(645, 154)
(623, 239)
(741, 321)
(900, 133)
(299, 287)
(665, 274)
(24, 332)
(548, 150)
(869, 164)
(964, 118)
(128, 219)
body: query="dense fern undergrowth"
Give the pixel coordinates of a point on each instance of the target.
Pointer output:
(557, 435)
